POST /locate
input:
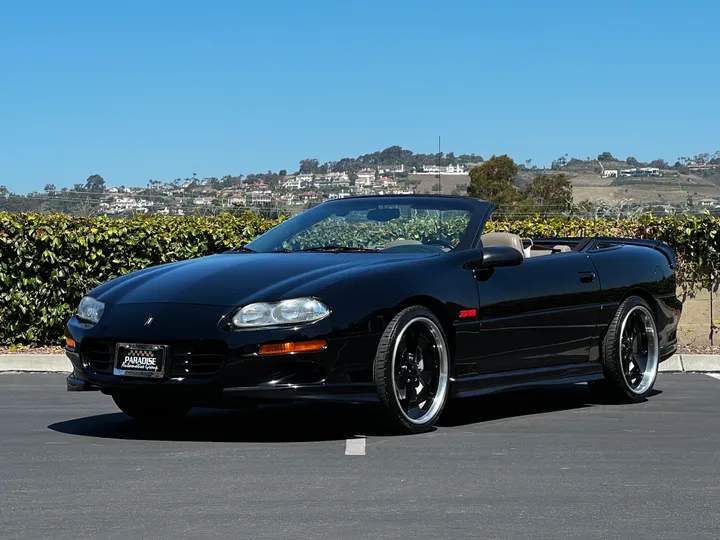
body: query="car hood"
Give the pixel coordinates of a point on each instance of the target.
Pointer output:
(234, 278)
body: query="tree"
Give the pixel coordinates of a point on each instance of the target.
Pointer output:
(309, 166)
(659, 164)
(632, 161)
(493, 181)
(606, 156)
(4, 192)
(559, 163)
(50, 188)
(95, 182)
(551, 194)
(283, 172)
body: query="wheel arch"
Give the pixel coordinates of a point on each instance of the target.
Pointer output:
(438, 309)
(641, 293)
(645, 295)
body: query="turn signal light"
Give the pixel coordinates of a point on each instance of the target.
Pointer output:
(70, 342)
(293, 347)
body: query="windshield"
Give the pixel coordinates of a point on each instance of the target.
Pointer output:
(381, 224)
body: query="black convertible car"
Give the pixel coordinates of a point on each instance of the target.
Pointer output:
(401, 300)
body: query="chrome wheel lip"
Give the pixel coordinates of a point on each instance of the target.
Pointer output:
(652, 359)
(442, 384)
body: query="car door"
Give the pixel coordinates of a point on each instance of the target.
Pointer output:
(542, 312)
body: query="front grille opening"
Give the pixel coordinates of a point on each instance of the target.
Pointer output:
(197, 360)
(98, 355)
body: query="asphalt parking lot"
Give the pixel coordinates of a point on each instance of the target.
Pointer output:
(537, 464)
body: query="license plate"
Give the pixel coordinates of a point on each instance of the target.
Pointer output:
(140, 360)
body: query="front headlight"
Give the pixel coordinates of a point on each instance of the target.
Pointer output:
(293, 311)
(90, 310)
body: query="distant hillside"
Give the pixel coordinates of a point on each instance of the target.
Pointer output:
(393, 170)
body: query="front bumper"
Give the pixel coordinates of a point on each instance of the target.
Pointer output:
(221, 397)
(215, 370)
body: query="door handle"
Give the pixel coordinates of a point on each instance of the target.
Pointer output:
(587, 277)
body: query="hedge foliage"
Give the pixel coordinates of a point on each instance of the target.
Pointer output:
(47, 262)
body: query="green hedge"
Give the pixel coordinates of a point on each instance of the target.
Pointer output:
(47, 262)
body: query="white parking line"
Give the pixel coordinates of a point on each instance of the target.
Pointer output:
(355, 447)
(714, 375)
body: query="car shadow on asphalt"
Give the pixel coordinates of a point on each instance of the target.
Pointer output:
(526, 402)
(310, 422)
(272, 423)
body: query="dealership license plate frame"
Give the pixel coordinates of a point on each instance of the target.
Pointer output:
(138, 373)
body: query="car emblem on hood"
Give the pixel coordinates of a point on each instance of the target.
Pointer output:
(149, 321)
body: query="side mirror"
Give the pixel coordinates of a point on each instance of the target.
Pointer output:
(496, 256)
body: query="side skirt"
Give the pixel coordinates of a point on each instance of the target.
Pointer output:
(526, 378)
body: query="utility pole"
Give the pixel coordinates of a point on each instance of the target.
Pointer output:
(438, 163)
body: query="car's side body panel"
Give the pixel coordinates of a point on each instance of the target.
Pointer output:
(541, 313)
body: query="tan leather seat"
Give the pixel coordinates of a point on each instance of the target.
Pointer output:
(502, 239)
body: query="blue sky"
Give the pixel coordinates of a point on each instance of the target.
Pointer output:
(136, 90)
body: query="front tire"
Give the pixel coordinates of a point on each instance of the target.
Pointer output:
(151, 408)
(630, 354)
(411, 370)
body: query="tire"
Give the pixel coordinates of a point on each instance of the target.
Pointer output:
(627, 380)
(148, 408)
(411, 367)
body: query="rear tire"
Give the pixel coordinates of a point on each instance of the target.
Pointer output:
(630, 355)
(151, 408)
(411, 370)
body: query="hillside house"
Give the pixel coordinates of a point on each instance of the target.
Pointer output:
(443, 169)
(300, 181)
(392, 169)
(387, 181)
(365, 177)
(341, 195)
(702, 166)
(338, 180)
(260, 197)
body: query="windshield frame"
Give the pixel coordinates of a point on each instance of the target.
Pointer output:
(479, 210)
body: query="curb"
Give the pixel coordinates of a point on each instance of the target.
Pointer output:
(37, 363)
(59, 363)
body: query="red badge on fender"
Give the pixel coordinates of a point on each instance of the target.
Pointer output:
(465, 313)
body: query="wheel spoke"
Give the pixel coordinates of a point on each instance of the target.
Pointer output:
(422, 342)
(428, 377)
(423, 395)
(410, 395)
(641, 361)
(411, 340)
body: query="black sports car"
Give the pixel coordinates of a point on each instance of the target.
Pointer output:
(400, 300)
